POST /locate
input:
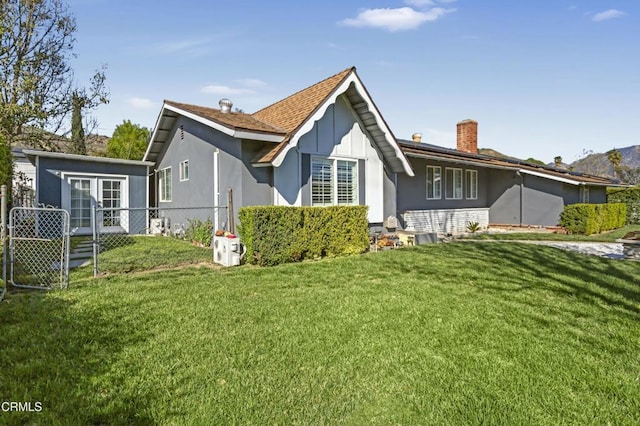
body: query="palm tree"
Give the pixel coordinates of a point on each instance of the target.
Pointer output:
(615, 158)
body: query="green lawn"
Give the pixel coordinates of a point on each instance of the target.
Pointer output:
(607, 237)
(460, 333)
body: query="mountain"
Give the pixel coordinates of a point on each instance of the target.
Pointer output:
(598, 164)
(47, 141)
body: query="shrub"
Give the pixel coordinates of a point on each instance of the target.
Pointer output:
(279, 234)
(473, 227)
(593, 218)
(630, 197)
(199, 231)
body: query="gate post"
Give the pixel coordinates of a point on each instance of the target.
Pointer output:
(3, 235)
(96, 249)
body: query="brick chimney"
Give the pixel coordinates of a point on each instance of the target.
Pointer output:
(468, 136)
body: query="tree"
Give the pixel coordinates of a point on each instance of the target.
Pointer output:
(6, 164)
(615, 158)
(129, 141)
(36, 81)
(534, 161)
(77, 130)
(557, 161)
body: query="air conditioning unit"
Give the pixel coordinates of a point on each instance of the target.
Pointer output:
(155, 226)
(228, 251)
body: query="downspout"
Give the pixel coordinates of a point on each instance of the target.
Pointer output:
(521, 195)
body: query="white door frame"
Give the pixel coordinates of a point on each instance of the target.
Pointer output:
(96, 197)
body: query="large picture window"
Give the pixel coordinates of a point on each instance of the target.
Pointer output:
(453, 182)
(334, 182)
(472, 185)
(164, 184)
(434, 182)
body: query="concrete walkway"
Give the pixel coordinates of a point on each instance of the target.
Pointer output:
(608, 250)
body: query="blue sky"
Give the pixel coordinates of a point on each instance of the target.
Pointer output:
(542, 78)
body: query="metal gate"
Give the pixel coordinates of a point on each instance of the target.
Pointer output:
(39, 247)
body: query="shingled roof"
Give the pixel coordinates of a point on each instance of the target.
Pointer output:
(283, 122)
(235, 120)
(433, 152)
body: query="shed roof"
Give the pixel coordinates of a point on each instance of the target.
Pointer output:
(32, 153)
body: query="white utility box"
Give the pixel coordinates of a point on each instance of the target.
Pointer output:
(228, 251)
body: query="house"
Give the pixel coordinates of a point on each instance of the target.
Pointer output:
(325, 145)
(453, 187)
(328, 144)
(78, 183)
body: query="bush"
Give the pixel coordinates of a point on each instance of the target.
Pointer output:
(199, 231)
(590, 219)
(279, 234)
(630, 197)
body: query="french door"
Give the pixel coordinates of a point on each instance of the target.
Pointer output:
(81, 203)
(81, 195)
(111, 198)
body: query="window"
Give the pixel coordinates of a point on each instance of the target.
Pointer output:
(164, 184)
(584, 194)
(184, 170)
(346, 182)
(333, 182)
(472, 184)
(453, 182)
(434, 183)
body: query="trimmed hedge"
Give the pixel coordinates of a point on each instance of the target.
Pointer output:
(630, 197)
(593, 218)
(279, 234)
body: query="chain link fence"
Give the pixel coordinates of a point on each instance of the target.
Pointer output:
(39, 247)
(117, 227)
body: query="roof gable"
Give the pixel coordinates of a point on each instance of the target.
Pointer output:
(291, 112)
(285, 121)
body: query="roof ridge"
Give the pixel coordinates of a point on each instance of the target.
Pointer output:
(345, 71)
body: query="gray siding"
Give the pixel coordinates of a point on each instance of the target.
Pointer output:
(51, 170)
(197, 143)
(412, 191)
(512, 198)
(503, 197)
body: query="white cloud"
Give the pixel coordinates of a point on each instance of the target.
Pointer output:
(141, 103)
(252, 82)
(420, 2)
(219, 89)
(400, 19)
(608, 14)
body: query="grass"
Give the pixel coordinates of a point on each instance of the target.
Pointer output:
(142, 253)
(607, 237)
(459, 333)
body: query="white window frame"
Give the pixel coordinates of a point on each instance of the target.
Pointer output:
(584, 194)
(333, 167)
(165, 185)
(472, 184)
(184, 171)
(436, 184)
(456, 184)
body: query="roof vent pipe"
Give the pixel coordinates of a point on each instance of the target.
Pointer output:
(225, 105)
